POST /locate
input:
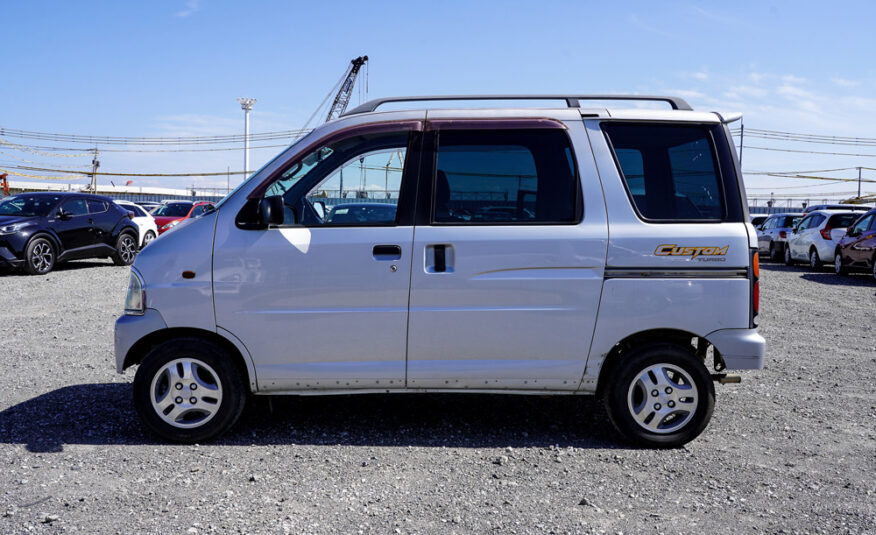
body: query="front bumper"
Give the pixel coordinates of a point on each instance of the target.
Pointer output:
(741, 349)
(8, 258)
(131, 329)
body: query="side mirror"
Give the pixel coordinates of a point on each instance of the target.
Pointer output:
(851, 231)
(319, 208)
(64, 215)
(271, 210)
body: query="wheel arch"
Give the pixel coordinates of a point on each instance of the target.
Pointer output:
(238, 353)
(56, 243)
(677, 337)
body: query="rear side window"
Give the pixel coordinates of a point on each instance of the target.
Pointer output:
(96, 207)
(842, 220)
(671, 172)
(505, 177)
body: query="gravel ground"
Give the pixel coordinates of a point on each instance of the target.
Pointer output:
(792, 449)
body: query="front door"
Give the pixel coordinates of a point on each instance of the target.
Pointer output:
(509, 258)
(75, 230)
(321, 301)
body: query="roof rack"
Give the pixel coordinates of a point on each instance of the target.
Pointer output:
(572, 101)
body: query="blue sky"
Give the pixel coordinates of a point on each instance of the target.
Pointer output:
(176, 67)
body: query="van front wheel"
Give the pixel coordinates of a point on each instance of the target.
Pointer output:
(660, 396)
(188, 390)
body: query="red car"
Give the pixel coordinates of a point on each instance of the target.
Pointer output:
(170, 214)
(856, 251)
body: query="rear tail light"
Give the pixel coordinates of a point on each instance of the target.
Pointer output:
(825, 233)
(130, 215)
(755, 287)
(783, 234)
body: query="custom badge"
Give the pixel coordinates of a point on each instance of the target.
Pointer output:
(703, 254)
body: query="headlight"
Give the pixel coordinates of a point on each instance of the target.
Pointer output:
(12, 229)
(170, 225)
(135, 301)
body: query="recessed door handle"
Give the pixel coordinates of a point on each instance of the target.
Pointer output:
(387, 252)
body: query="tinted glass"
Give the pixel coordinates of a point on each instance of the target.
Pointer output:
(842, 220)
(28, 205)
(76, 207)
(505, 177)
(174, 209)
(670, 171)
(96, 207)
(198, 210)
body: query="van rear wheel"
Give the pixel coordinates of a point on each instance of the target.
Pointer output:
(188, 390)
(660, 396)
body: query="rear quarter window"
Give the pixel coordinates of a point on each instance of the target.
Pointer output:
(842, 220)
(671, 172)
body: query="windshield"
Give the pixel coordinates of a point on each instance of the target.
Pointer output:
(291, 176)
(272, 160)
(29, 205)
(174, 209)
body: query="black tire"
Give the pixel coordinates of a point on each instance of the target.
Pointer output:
(623, 390)
(774, 252)
(789, 260)
(126, 249)
(224, 403)
(814, 260)
(838, 267)
(39, 256)
(147, 238)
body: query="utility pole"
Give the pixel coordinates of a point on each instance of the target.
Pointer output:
(741, 141)
(246, 106)
(95, 163)
(859, 183)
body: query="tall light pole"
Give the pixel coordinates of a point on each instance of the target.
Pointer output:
(246, 106)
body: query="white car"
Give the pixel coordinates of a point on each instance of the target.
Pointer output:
(816, 236)
(144, 220)
(567, 250)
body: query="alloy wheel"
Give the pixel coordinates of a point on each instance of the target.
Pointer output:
(814, 261)
(663, 398)
(148, 238)
(186, 393)
(127, 249)
(42, 257)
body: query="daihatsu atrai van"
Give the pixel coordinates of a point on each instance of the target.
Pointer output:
(565, 250)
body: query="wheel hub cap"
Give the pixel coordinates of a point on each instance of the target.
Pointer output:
(186, 393)
(663, 398)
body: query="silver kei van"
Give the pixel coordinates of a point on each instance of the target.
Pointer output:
(564, 249)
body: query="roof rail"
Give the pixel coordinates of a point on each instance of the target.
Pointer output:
(572, 101)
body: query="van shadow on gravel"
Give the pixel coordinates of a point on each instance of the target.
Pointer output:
(102, 414)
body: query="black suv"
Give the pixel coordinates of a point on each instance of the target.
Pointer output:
(39, 229)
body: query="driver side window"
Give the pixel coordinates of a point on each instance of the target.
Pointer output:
(362, 191)
(354, 182)
(75, 207)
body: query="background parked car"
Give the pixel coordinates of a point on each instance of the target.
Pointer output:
(757, 220)
(149, 206)
(37, 230)
(773, 233)
(144, 220)
(845, 207)
(170, 214)
(815, 237)
(857, 250)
